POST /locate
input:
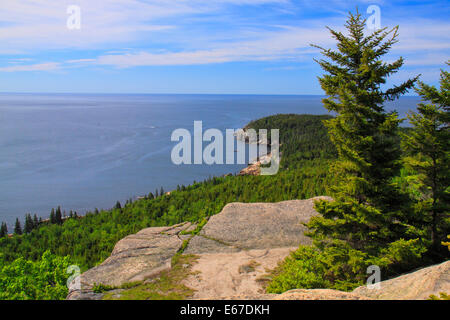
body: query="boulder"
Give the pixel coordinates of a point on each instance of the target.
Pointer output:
(237, 247)
(134, 258)
(243, 226)
(418, 285)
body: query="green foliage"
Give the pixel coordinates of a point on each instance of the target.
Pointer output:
(447, 243)
(301, 269)
(337, 266)
(3, 230)
(364, 134)
(443, 296)
(428, 147)
(17, 227)
(370, 222)
(302, 137)
(101, 288)
(369, 213)
(44, 279)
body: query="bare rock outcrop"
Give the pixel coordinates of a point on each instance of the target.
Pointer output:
(246, 226)
(319, 294)
(237, 247)
(254, 168)
(418, 285)
(134, 258)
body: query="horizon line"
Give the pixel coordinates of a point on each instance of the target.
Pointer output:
(184, 94)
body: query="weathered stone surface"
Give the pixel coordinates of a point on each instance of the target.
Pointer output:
(319, 294)
(418, 285)
(231, 275)
(83, 295)
(201, 244)
(302, 294)
(134, 258)
(255, 226)
(253, 237)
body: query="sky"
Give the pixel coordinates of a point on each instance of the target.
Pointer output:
(199, 46)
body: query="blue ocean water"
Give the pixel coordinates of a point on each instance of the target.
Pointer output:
(88, 151)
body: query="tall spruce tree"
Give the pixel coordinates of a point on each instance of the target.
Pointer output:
(58, 216)
(429, 155)
(18, 227)
(52, 216)
(28, 227)
(3, 230)
(35, 221)
(367, 214)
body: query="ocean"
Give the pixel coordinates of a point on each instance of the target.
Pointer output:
(86, 151)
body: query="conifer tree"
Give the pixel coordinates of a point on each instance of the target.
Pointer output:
(3, 230)
(28, 227)
(58, 216)
(18, 227)
(429, 155)
(367, 212)
(35, 221)
(118, 205)
(52, 216)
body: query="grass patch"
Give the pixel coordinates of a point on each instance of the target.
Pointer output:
(167, 286)
(102, 288)
(197, 229)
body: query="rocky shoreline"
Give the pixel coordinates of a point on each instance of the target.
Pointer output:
(254, 167)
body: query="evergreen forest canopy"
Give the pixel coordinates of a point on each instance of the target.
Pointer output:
(390, 185)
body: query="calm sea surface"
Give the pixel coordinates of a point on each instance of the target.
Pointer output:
(88, 151)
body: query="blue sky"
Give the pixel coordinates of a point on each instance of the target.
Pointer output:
(199, 46)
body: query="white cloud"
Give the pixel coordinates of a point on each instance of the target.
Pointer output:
(289, 43)
(42, 24)
(111, 25)
(48, 66)
(424, 44)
